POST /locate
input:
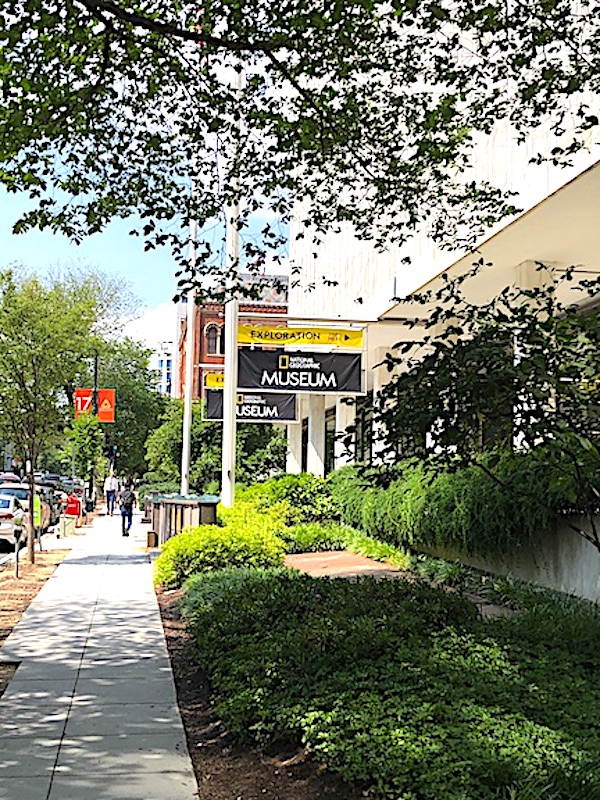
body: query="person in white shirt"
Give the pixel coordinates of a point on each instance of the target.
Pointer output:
(110, 490)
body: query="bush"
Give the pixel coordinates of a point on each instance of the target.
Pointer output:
(164, 487)
(467, 510)
(308, 497)
(401, 688)
(313, 537)
(212, 547)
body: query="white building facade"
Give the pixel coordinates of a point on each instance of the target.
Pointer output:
(559, 225)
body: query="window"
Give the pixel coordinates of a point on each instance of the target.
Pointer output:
(215, 340)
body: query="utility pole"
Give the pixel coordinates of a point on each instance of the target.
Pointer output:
(231, 328)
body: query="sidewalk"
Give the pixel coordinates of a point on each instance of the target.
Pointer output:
(91, 711)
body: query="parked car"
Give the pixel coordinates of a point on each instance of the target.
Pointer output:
(8, 476)
(11, 522)
(21, 492)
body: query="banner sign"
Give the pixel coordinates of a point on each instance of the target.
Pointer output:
(311, 373)
(106, 405)
(321, 337)
(84, 401)
(214, 380)
(253, 407)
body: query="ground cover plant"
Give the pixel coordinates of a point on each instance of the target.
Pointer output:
(401, 688)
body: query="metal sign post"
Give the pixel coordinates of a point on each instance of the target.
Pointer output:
(231, 328)
(189, 368)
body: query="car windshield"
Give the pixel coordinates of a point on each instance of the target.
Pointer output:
(4, 502)
(22, 494)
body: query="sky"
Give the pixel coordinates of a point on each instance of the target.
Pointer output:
(151, 275)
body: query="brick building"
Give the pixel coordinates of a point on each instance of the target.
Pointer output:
(210, 331)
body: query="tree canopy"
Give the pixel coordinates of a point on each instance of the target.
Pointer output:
(260, 450)
(363, 111)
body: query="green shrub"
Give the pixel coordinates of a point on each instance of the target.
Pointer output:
(369, 547)
(211, 547)
(164, 487)
(492, 510)
(308, 497)
(401, 689)
(313, 537)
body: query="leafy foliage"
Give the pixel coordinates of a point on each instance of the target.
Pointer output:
(308, 497)
(519, 371)
(125, 366)
(260, 449)
(361, 106)
(314, 537)
(466, 509)
(246, 539)
(400, 688)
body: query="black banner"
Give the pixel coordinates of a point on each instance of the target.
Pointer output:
(253, 407)
(311, 373)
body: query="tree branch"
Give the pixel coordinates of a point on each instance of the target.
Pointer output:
(166, 29)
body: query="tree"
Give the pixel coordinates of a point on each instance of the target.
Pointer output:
(260, 450)
(43, 344)
(518, 372)
(87, 440)
(363, 112)
(124, 366)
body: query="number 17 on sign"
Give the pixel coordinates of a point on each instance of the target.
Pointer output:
(83, 402)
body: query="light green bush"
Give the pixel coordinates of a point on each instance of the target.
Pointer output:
(211, 547)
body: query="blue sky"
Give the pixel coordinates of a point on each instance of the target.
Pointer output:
(151, 275)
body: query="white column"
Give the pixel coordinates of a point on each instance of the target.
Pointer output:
(381, 376)
(293, 463)
(345, 415)
(315, 462)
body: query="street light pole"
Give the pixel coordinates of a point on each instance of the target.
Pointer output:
(190, 340)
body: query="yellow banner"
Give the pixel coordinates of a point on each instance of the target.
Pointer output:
(321, 337)
(214, 380)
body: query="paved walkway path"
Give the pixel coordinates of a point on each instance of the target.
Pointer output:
(91, 711)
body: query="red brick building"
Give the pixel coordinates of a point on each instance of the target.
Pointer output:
(210, 332)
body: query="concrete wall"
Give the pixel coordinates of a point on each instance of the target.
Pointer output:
(560, 559)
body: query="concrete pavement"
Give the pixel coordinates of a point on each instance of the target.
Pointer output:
(91, 711)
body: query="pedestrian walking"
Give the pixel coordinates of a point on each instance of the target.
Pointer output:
(110, 490)
(126, 502)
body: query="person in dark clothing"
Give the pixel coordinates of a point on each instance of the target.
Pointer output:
(126, 502)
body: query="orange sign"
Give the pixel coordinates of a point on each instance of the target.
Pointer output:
(106, 405)
(83, 402)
